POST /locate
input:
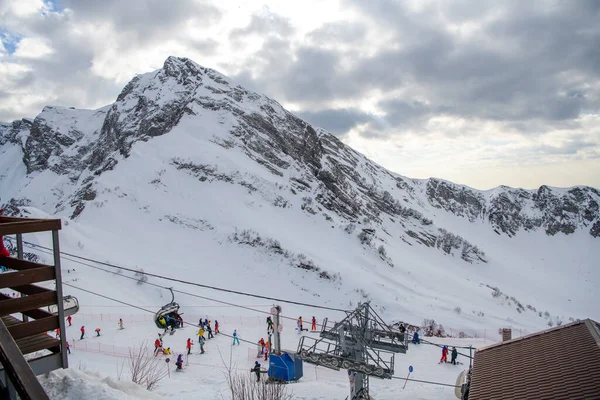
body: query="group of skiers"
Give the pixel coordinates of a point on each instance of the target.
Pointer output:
(300, 327)
(445, 355)
(172, 320)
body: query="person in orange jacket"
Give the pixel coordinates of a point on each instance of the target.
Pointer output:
(314, 324)
(97, 332)
(82, 332)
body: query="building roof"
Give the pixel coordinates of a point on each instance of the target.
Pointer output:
(559, 363)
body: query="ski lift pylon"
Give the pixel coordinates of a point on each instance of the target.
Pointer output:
(167, 313)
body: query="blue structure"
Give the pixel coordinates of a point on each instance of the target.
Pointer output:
(285, 367)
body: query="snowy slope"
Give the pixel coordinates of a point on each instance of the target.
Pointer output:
(190, 176)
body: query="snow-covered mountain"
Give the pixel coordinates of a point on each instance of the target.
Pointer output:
(187, 168)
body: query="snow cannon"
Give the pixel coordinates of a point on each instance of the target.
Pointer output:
(285, 367)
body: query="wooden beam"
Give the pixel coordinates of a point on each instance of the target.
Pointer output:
(20, 278)
(30, 289)
(35, 314)
(4, 219)
(17, 369)
(20, 265)
(25, 329)
(27, 226)
(27, 303)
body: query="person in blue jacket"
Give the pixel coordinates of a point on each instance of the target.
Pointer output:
(235, 338)
(179, 362)
(416, 339)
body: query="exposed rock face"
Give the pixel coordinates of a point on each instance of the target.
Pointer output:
(510, 210)
(334, 181)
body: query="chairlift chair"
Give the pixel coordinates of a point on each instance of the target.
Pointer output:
(70, 306)
(170, 308)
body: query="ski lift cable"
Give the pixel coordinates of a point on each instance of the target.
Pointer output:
(224, 334)
(440, 346)
(191, 283)
(146, 310)
(164, 287)
(429, 382)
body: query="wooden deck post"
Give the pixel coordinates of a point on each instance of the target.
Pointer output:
(20, 257)
(59, 300)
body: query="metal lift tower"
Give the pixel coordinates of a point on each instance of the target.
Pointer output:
(361, 343)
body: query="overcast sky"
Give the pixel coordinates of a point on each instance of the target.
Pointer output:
(478, 92)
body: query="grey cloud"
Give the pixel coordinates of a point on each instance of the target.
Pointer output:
(572, 146)
(339, 32)
(262, 24)
(336, 121)
(143, 20)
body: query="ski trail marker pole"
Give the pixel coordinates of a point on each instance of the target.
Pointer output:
(410, 369)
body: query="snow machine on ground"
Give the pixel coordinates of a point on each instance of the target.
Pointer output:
(70, 306)
(169, 313)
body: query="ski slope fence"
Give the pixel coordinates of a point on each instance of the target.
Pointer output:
(123, 352)
(487, 335)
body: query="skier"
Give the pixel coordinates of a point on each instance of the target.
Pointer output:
(259, 348)
(266, 351)
(189, 345)
(269, 323)
(68, 348)
(82, 332)
(216, 326)
(121, 323)
(402, 332)
(205, 322)
(300, 324)
(209, 329)
(167, 351)
(314, 324)
(444, 354)
(262, 346)
(235, 338)
(200, 333)
(69, 320)
(179, 363)
(416, 339)
(97, 332)
(202, 341)
(57, 333)
(454, 355)
(256, 370)
(157, 346)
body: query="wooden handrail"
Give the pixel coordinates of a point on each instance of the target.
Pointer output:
(27, 303)
(28, 225)
(22, 278)
(17, 369)
(25, 329)
(20, 265)
(35, 314)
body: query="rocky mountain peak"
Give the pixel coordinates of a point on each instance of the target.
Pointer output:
(334, 181)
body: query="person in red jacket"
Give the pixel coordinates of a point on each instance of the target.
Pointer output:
(69, 320)
(444, 354)
(189, 345)
(157, 346)
(82, 332)
(314, 324)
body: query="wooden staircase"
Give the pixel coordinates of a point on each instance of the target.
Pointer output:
(25, 320)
